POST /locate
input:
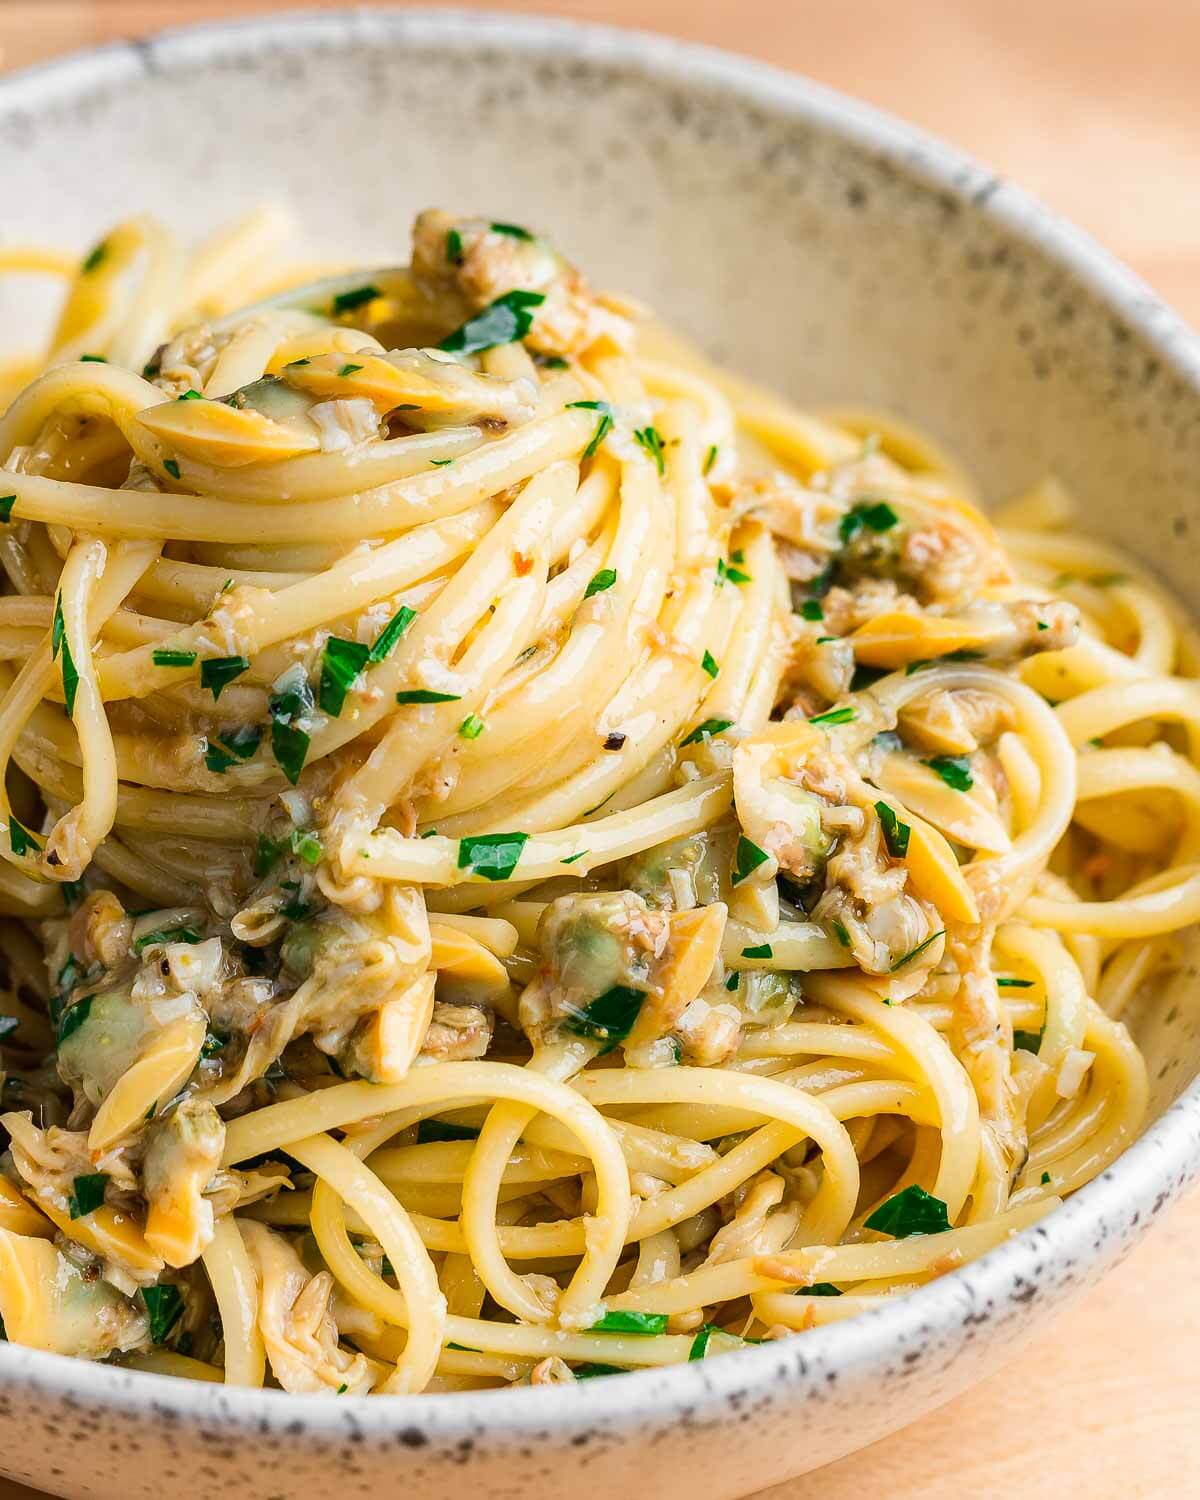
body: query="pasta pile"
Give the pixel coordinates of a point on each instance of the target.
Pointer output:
(525, 857)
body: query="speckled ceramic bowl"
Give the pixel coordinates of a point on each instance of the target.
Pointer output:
(842, 257)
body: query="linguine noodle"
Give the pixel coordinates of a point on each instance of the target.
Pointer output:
(524, 857)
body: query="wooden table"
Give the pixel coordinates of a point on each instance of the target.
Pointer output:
(1091, 104)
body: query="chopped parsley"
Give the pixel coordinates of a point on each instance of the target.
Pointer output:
(346, 302)
(72, 1019)
(239, 745)
(385, 641)
(734, 575)
(759, 950)
(955, 771)
(471, 727)
(214, 1043)
(650, 439)
(1005, 983)
(603, 426)
(747, 859)
(165, 935)
(844, 715)
(444, 1130)
(292, 700)
(732, 981)
(70, 673)
(1028, 1041)
(571, 858)
(514, 231)
(494, 856)
(172, 467)
(341, 662)
(95, 258)
(708, 728)
(21, 840)
(645, 1325)
(92, 359)
(710, 458)
(839, 932)
(592, 1369)
(307, 846)
(895, 833)
(1045, 1179)
(915, 952)
(909, 1213)
(877, 517)
(349, 369)
(505, 321)
(164, 656)
(425, 695)
(6, 508)
(700, 1343)
(454, 247)
(87, 1194)
(709, 664)
(812, 609)
(600, 582)
(609, 1017)
(441, 463)
(190, 396)
(821, 1289)
(219, 671)
(164, 1306)
(266, 855)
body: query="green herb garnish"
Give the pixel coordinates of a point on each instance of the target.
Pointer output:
(214, 1042)
(70, 673)
(710, 458)
(878, 517)
(341, 662)
(821, 1289)
(812, 609)
(734, 575)
(609, 1017)
(471, 727)
(514, 231)
(72, 1019)
(709, 727)
(759, 950)
(164, 1306)
(915, 952)
(650, 439)
(346, 302)
(6, 508)
(493, 855)
(1028, 1041)
(87, 1194)
(600, 581)
(165, 657)
(94, 258)
(955, 771)
(909, 1213)
(839, 932)
(709, 665)
(348, 369)
(747, 859)
(934, 661)
(506, 321)
(843, 715)
(646, 1325)
(172, 467)
(895, 833)
(385, 641)
(454, 247)
(1005, 983)
(219, 671)
(21, 840)
(165, 935)
(425, 695)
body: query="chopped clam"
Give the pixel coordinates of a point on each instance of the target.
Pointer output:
(387, 1044)
(183, 1154)
(161, 1069)
(48, 1302)
(213, 432)
(693, 947)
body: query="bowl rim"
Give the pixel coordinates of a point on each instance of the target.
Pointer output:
(1108, 1212)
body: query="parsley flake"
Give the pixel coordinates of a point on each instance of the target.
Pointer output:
(505, 321)
(955, 771)
(895, 833)
(164, 656)
(708, 728)
(87, 1194)
(217, 672)
(600, 581)
(346, 302)
(494, 856)
(908, 1213)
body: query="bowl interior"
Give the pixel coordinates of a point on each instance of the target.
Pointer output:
(772, 227)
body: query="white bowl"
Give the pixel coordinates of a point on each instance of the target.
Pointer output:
(836, 254)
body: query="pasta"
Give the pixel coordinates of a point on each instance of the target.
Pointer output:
(525, 857)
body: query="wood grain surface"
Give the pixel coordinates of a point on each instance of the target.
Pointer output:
(1091, 104)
